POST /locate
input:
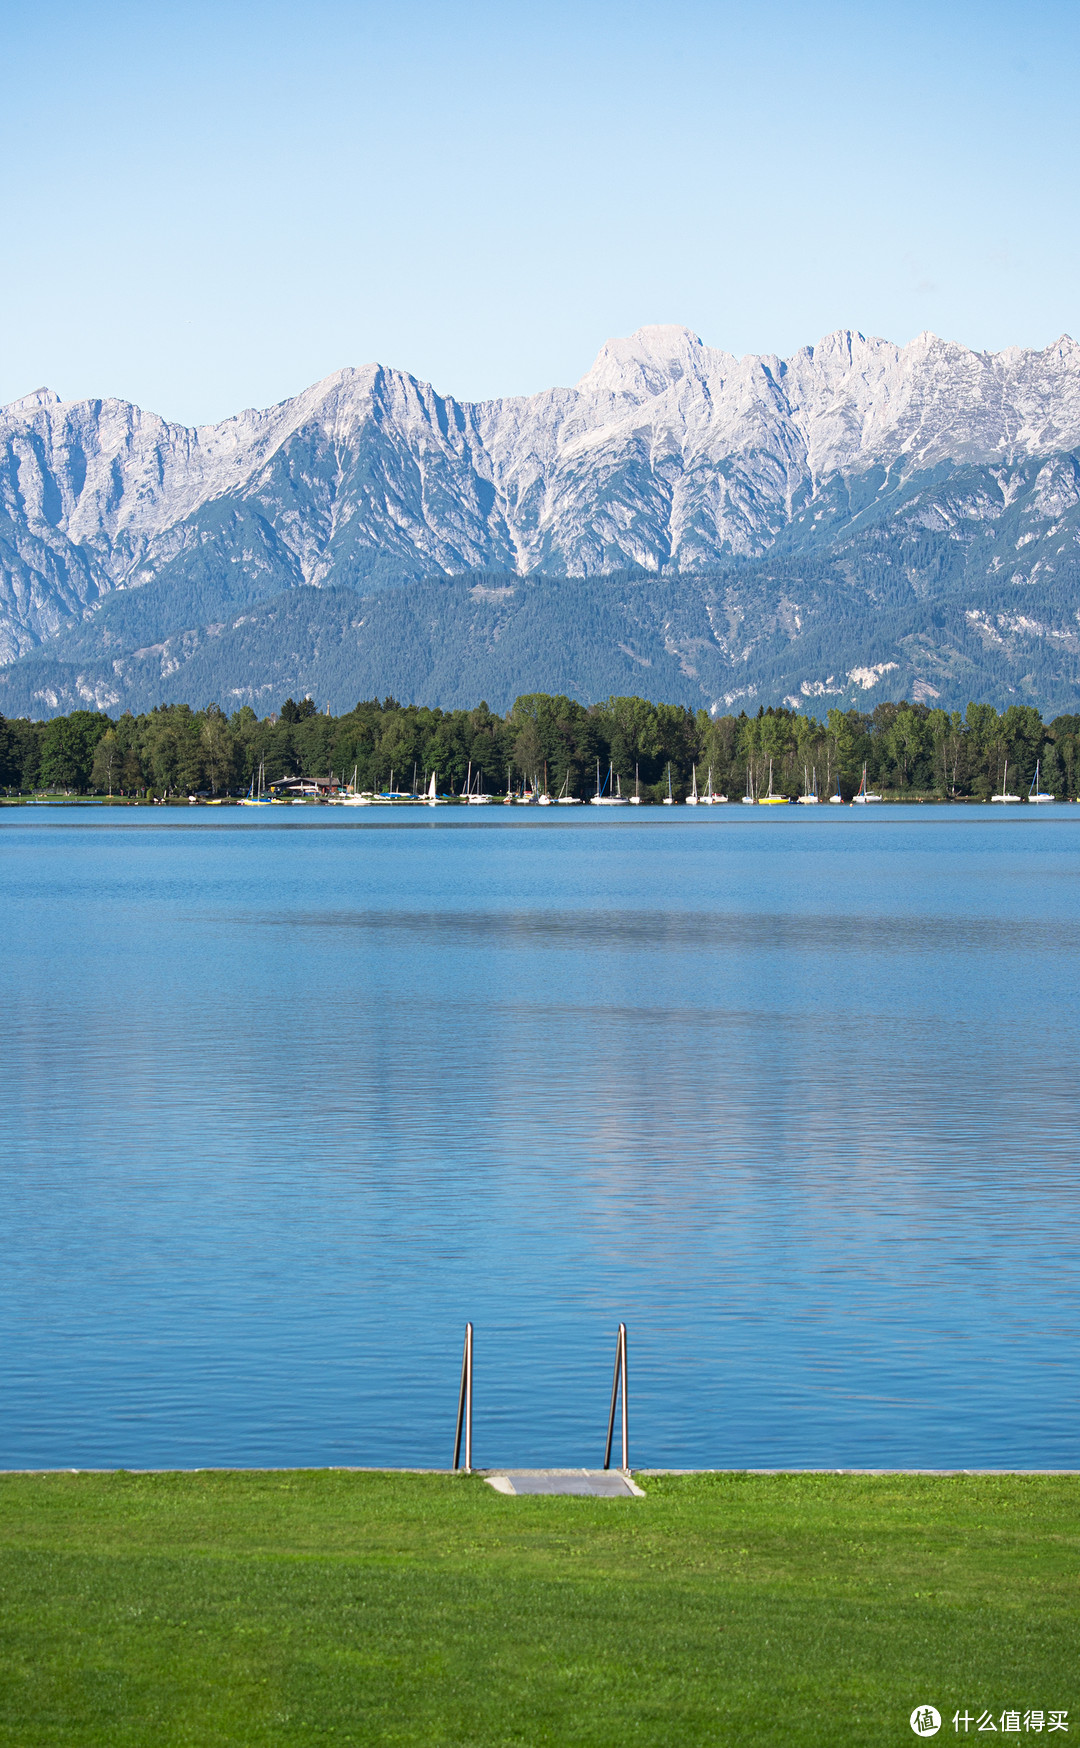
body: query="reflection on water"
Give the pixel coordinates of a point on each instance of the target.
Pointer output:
(678, 931)
(797, 1100)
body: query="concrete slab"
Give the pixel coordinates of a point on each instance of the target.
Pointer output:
(591, 1483)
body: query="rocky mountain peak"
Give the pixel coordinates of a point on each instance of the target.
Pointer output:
(38, 397)
(646, 362)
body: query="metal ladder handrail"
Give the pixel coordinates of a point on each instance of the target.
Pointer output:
(620, 1374)
(464, 1409)
(465, 1394)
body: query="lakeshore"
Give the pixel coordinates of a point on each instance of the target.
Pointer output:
(379, 1609)
(548, 750)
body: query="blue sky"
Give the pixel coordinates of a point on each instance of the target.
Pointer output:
(206, 207)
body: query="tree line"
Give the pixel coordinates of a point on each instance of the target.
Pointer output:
(909, 750)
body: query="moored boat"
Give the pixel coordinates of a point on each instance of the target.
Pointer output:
(608, 799)
(1005, 796)
(863, 796)
(252, 799)
(769, 799)
(809, 796)
(1036, 796)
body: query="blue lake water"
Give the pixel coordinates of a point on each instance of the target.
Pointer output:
(287, 1098)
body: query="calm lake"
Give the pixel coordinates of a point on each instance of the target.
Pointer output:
(288, 1096)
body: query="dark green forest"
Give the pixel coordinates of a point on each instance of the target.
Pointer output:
(910, 751)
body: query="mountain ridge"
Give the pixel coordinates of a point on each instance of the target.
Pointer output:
(668, 455)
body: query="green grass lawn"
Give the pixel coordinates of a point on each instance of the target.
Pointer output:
(322, 1606)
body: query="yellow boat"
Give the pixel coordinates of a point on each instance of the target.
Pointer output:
(771, 800)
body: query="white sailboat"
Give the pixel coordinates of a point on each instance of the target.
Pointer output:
(710, 797)
(564, 797)
(693, 798)
(749, 799)
(1005, 796)
(545, 800)
(351, 798)
(475, 797)
(1038, 797)
(863, 796)
(608, 799)
(635, 798)
(669, 799)
(809, 796)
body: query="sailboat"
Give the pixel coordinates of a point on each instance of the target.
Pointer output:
(352, 799)
(769, 799)
(1005, 796)
(710, 798)
(544, 800)
(251, 799)
(749, 799)
(600, 799)
(337, 795)
(635, 798)
(391, 797)
(476, 797)
(836, 799)
(669, 799)
(693, 798)
(1037, 797)
(432, 798)
(863, 796)
(564, 797)
(809, 796)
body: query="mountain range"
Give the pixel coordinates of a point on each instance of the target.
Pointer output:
(861, 521)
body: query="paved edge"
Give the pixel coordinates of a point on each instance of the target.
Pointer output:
(502, 1480)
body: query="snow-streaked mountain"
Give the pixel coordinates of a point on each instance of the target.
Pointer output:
(668, 455)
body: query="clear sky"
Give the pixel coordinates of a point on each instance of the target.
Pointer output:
(206, 206)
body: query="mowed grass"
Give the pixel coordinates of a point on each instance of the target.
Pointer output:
(321, 1606)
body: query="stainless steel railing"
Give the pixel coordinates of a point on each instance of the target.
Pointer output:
(464, 1407)
(619, 1391)
(619, 1377)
